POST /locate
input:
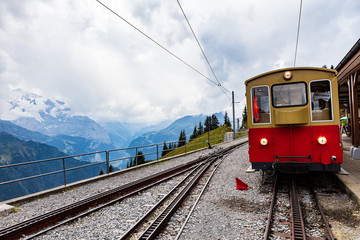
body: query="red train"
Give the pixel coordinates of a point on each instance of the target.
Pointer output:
(293, 120)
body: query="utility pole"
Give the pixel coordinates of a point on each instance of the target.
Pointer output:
(233, 107)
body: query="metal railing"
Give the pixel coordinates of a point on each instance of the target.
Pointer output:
(105, 159)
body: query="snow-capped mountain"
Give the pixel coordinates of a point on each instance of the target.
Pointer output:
(52, 117)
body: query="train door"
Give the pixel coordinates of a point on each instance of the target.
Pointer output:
(260, 116)
(260, 105)
(291, 141)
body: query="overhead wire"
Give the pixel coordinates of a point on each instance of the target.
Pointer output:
(217, 83)
(157, 43)
(197, 40)
(202, 50)
(297, 35)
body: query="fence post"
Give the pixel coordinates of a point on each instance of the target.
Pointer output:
(107, 162)
(64, 171)
(136, 160)
(157, 152)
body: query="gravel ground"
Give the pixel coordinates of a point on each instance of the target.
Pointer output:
(113, 221)
(226, 213)
(40, 206)
(343, 214)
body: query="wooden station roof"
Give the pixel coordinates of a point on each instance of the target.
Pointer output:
(350, 64)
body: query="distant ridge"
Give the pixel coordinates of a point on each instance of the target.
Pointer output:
(67, 144)
(52, 117)
(14, 150)
(172, 132)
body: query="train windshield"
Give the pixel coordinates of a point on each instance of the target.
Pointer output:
(289, 95)
(260, 104)
(320, 100)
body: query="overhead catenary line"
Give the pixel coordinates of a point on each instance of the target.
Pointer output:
(157, 43)
(298, 31)
(168, 51)
(223, 89)
(202, 50)
(197, 40)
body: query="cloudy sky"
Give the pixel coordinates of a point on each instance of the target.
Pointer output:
(81, 53)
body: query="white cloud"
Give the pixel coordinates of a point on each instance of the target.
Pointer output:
(82, 53)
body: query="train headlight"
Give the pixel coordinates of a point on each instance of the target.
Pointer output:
(287, 75)
(322, 140)
(263, 141)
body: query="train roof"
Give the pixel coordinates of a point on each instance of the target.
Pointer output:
(290, 69)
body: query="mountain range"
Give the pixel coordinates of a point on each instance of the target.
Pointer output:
(52, 122)
(45, 128)
(53, 117)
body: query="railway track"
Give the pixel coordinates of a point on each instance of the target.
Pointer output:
(287, 199)
(154, 223)
(53, 219)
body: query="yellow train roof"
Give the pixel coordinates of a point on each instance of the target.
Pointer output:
(291, 69)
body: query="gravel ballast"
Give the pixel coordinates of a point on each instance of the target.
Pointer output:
(226, 213)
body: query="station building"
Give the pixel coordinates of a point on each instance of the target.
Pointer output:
(349, 87)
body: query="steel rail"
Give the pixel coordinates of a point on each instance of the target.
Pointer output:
(51, 218)
(297, 226)
(198, 199)
(271, 210)
(128, 233)
(92, 210)
(160, 203)
(297, 222)
(156, 226)
(328, 231)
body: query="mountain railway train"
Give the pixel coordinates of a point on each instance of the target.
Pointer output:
(293, 119)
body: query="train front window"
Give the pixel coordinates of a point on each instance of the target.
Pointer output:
(289, 95)
(321, 100)
(260, 105)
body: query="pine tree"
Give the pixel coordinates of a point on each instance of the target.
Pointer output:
(130, 163)
(179, 140)
(200, 129)
(227, 120)
(165, 149)
(207, 124)
(139, 159)
(111, 168)
(244, 119)
(101, 172)
(214, 122)
(194, 134)
(182, 138)
(170, 148)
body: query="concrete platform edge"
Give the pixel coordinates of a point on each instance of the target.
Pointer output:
(351, 187)
(5, 209)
